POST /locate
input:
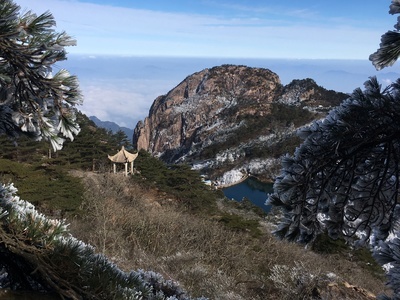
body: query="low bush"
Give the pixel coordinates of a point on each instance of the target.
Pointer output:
(48, 187)
(179, 181)
(362, 256)
(238, 223)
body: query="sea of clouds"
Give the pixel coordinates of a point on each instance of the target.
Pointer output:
(122, 89)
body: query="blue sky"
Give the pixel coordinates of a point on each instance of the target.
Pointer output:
(311, 29)
(309, 35)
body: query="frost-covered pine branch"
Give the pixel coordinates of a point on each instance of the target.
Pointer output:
(33, 100)
(389, 48)
(344, 177)
(51, 259)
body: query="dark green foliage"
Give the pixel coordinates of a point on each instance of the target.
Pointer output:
(48, 187)
(41, 175)
(283, 115)
(324, 244)
(88, 151)
(363, 257)
(238, 223)
(247, 205)
(286, 144)
(149, 166)
(90, 148)
(24, 149)
(120, 139)
(178, 180)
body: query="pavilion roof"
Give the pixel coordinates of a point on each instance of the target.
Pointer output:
(123, 156)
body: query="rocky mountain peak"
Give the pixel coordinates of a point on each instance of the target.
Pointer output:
(302, 92)
(221, 113)
(204, 106)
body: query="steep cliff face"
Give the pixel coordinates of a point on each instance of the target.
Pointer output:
(223, 114)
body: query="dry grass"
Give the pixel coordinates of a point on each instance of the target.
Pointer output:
(138, 229)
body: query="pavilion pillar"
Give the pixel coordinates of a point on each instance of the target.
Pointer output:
(114, 168)
(126, 169)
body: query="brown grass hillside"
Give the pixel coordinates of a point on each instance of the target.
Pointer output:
(144, 228)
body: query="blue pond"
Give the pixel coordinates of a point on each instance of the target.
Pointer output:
(252, 189)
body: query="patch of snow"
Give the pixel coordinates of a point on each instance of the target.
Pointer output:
(229, 155)
(387, 267)
(266, 138)
(230, 177)
(189, 104)
(259, 165)
(212, 126)
(201, 165)
(331, 276)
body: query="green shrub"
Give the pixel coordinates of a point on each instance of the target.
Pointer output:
(46, 186)
(365, 259)
(326, 245)
(239, 223)
(362, 256)
(180, 181)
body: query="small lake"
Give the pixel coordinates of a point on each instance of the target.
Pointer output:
(253, 189)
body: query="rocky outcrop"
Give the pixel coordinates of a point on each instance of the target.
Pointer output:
(220, 115)
(306, 92)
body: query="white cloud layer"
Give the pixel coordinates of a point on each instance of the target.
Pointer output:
(124, 102)
(122, 89)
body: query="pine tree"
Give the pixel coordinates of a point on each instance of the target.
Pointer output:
(344, 178)
(33, 101)
(121, 139)
(389, 49)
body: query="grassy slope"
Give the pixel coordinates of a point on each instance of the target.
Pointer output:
(143, 227)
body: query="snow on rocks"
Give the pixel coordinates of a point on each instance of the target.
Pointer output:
(231, 177)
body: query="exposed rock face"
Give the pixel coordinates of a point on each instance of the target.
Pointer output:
(220, 106)
(307, 92)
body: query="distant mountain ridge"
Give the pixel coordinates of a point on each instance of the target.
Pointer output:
(231, 118)
(114, 127)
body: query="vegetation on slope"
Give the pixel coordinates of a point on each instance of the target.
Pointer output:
(148, 228)
(48, 187)
(88, 151)
(165, 219)
(282, 116)
(178, 181)
(42, 175)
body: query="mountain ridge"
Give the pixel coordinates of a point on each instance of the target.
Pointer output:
(227, 117)
(114, 127)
